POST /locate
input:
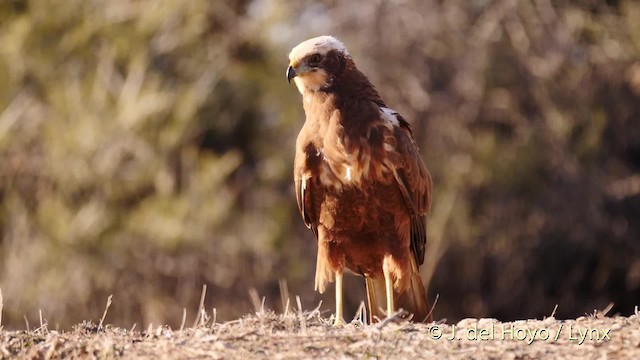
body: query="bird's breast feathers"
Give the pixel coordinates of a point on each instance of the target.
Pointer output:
(339, 160)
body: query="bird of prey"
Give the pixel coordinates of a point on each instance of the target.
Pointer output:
(360, 183)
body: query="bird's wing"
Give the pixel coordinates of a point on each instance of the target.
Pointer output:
(303, 183)
(413, 180)
(304, 199)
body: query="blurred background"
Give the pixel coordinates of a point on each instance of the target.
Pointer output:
(146, 149)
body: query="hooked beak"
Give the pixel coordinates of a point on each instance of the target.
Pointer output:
(291, 73)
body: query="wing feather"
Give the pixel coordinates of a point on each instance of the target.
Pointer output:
(304, 199)
(306, 154)
(414, 182)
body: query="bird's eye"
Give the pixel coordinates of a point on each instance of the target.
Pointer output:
(314, 59)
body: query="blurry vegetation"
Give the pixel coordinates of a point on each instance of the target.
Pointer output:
(146, 149)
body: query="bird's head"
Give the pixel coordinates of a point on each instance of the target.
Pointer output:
(315, 63)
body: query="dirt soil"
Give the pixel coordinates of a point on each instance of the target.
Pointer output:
(309, 335)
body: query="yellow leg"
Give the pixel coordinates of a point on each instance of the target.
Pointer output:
(389, 287)
(339, 320)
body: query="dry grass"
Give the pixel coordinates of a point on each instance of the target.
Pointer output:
(297, 334)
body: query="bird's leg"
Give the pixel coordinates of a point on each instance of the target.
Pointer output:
(339, 320)
(389, 288)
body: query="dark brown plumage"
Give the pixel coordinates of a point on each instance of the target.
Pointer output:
(360, 183)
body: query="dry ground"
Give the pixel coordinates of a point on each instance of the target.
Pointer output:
(309, 335)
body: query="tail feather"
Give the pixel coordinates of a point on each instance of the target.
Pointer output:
(413, 299)
(376, 298)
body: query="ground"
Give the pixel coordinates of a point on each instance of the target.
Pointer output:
(299, 335)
